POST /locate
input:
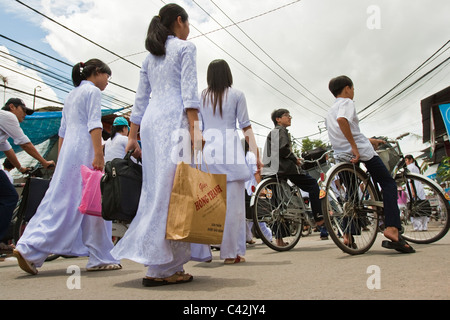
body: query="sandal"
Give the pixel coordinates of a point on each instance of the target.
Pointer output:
(106, 267)
(177, 278)
(401, 245)
(25, 265)
(6, 248)
(235, 260)
(352, 243)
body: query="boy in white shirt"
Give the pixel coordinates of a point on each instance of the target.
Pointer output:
(350, 144)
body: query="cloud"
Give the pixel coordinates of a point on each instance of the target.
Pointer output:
(312, 40)
(18, 76)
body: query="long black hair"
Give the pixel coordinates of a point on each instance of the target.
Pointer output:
(219, 79)
(161, 27)
(83, 70)
(411, 158)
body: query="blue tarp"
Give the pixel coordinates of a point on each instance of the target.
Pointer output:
(41, 126)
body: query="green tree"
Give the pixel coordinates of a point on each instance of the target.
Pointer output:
(308, 144)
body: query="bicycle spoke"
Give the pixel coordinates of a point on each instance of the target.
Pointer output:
(277, 215)
(424, 211)
(350, 215)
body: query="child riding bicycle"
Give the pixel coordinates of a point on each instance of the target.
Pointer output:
(350, 144)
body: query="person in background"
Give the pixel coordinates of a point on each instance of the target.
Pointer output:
(58, 226)
(6, 248)
(250, 185)
(7, 168)
(419, 223)
(12, 113)
(222, 107)
(116, 145)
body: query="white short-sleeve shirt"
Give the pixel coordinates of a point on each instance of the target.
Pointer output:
(345, 108)
(10, 127)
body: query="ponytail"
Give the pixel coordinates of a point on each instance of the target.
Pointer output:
(83, 70)
(115, 130)
(161, 27)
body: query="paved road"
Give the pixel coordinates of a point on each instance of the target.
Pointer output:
(315, 269)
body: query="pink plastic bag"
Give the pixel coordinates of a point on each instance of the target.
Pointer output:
(91, 197)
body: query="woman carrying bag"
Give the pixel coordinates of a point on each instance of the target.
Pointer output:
(222, 105)
(169, 74)
(58, 226)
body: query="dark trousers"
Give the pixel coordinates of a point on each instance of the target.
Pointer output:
(381, 175)
(8, 201)
(309, 184)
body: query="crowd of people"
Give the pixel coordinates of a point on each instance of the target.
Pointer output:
(169, 76)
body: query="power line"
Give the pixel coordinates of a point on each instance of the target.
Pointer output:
(273, 60)
(225, 27)
(57, 60)
(252, 53)
(411, 85)
(61, 79)
(78, 34)
(406, 78)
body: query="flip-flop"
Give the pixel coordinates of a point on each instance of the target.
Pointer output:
(352, 243)
(401, 245)
(177, 278)
(235, 260)
(106, 267)
(24, 264)
(6, 248)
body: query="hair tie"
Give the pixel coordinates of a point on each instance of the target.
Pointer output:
(81, 67)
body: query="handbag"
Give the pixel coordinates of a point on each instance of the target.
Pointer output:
(91, 198)
(197, 206)
(120, 189)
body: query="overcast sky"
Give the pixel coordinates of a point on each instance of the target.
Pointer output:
(282, 52)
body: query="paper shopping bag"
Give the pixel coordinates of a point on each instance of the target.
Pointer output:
(91, 198)
(197, 206)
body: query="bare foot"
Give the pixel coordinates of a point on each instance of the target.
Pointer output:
(391, 233)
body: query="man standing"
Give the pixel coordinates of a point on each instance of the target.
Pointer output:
(11, 115)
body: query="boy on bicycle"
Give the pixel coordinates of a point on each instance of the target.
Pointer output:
(350, 144)
(279, 159)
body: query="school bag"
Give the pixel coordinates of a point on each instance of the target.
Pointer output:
(121, 189)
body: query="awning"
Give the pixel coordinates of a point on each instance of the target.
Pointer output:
(433, 102)
(41, 126)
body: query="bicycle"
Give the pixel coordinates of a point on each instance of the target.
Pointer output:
(358, 211)
(277, 205)
(24, 211)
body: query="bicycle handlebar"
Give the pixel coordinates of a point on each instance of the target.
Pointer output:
(317, 160)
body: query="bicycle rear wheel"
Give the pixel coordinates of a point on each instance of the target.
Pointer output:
(277, 214)
(424, 218)
(350, 213)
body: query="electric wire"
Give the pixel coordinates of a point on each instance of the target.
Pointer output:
(259, 59)
(273, 60)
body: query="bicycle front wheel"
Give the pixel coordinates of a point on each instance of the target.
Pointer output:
(277, 215)
(424, 214)
(350, 208)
